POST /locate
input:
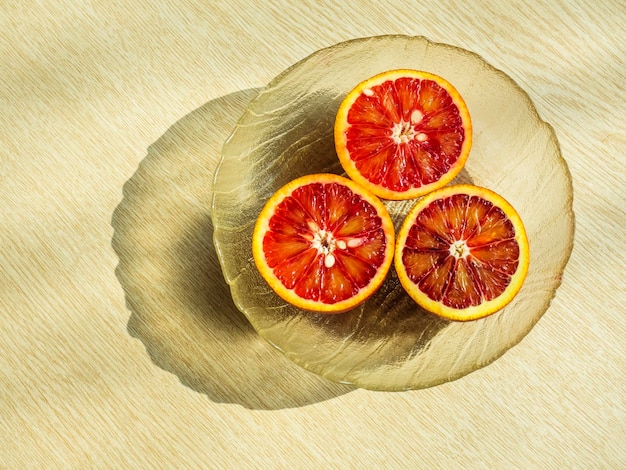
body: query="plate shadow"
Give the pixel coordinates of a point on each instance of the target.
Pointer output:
(181, 307)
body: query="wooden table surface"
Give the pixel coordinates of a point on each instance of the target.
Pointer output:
(95, 374)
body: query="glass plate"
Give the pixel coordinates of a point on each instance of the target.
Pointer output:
(389, 343)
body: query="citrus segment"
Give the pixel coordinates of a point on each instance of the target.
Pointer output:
(323, 243)
(462, 252)
(403, 133)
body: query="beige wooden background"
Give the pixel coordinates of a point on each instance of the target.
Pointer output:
(95, 374)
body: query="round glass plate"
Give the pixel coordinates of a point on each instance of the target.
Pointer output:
(389, 343)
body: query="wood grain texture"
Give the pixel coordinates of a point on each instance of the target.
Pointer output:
(86, 90)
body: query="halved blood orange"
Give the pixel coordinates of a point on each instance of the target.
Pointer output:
(403, 133)
(462, 252)
(323, 243)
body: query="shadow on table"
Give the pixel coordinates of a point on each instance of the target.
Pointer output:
(181, 308)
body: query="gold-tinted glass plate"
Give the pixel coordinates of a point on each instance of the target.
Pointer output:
(389, 343)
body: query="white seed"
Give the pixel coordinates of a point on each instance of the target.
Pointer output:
(329, 260)
(416, 116)
(341, 244)
(368, 92)
(421, 137)
(354, 242)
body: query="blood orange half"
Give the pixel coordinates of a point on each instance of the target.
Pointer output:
(403, 133)
(462, 252)
(323, 243)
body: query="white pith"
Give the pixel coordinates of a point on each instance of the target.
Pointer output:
(326, 243)
(459, 249)
(404, 131)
